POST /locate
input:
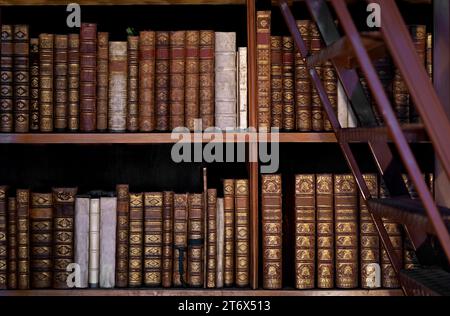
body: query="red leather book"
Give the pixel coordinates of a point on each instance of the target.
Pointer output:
(133, 84)
(147, 81)
(88, 77)
(162, 78)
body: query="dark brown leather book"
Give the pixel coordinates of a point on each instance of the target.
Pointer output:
(206, 60)
(12, 243)
(429, 55)
(21, 40)
(229, 210)
(303, 114)
(102, 80)
(316, 103)
(118, 70)
(288, 84)
(177, 78)
(61, 61)
(242, 234)
(401, 98)
(325, 231)
(46, 82)
(346, 231)
(63, 230)
(211, 262)
(88, 77)
(136, 239)
(330, 82)
(122, 239)
(180, 242)
(133, 84)
(419, 37)
(23, 239)
(162, 78)
(34, 84)
(272, 223)
(305, 231)
(276, 82)
(195, 241)
(41, 238)
(3, 239)
(73, 82)
(191, 85)
(263, 58)
(147, 81)
(410, 260)
(167, 250)
(383, 66)
(7, 80)
(153, 228)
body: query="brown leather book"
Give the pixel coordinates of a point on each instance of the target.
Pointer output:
(6, 80)
(288, 84)
(41, 238)
(419, 37)
(429, 55)
(73, 82)
(229, 211)
(167, 250)
(177, 78)
(346, 231)
(180, 242)
(330, 82)
(133, 84)
(195, 241)
(316, 103)
(147, 81)
(276, 82)
(383, 66)
(325, 231)
(12, 243)
(206, 60)
(23, 239)
(63, 229)
(34, 84)
(118, 70)
(242, 234)
(88, 77)
(46, 82)
(272, 223)
(102, 80)
(303, 110)
(211, 262)
(61, 45)
(410, 260)
(136, 239)
(305, 231)
(21, 40)
(3, 239)
(263, 58)
(153, 229)
(122, 239)
(191, 85)
(162, 79)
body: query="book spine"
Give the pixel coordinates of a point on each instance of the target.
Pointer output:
(88, 77)
(211, 263)
(117, 106)
(316, 103)
(305, 231)
(133, 84)
(410, 260)
(34, 84)
(288, 83)
(342, 108)
(3, 237)
(153, 231)
(207, 86)
(81, 241)
(191, 85)
(94, 242)
(12, 243)
(243, 94)
(122, 234)
(330, 83)
(325, 231)
(162, 77)
(272, 223)
(60, 74)
(401, 98)
(242, 237)
(263, 58)
(419, 37)
(23, 239)
(229, 211)
(220, 241)
(147, 81)
(383, 66)
(195, 240)
(73, 82)
(136, 239)
(180, 239)
(429, 55)
(276, 82)
(21, 41)
(41, 216)
(167, 251)
(177, 78)
(6, 80)
(346, 231)
(108, 226)
(303, 110)
(103, 77)
(46, 82)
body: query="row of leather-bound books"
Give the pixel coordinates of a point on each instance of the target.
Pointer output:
(336, 242)
(154, 81)
(121, 239)
(287, 98)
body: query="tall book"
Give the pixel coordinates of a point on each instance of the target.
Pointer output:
(303, 98)
(220, 221)
(136, 239)
(305, 231)
(133, 84)
(103, 75)
(3, 237)
(162, 78)
(108, 226)
(207, 86)
(330, 82)
(272, 223)
(81, 238)
(88, 77)
(180, 241)
(343, 105)
(191, 85)
(276, 82)
(23, 239)
(288, 83)
(242, 108)
(325, 231)
(41, 217)
(419, 37)
(195, 240)
(94, 242)
(177, 78)
(346, 231)
(316, 103)
(122, 234)
(34, 84)
(21, 40)
(147, 81)
(242, 235)
(73, 83)
(167, 240)
(153, 229)
(117, 105)
(46, 82)
(12, 243)
(211, 230)
(410, 260)
(229, 211)
(61, 62)
(263, 59)
(7, 80)
(429, 55)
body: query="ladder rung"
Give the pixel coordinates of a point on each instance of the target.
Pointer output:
(434, 282)
(414, 133)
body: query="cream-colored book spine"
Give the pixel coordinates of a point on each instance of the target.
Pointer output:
(242, 91)
(94, 242)
(82, 239)
(108, 221)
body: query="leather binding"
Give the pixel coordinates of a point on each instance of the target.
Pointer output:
(419, 37)
(61, 62)
(117, 111)
(242, 247)
(147, 81)
(3, 238)
(191, 86)
(346, 231)
(41, 216)
(220, 242)
(272, 223)
(102, 80)
(108, 228)
(63, 230)
(81, 238)
(180, 239)
(207, 86)
(6, 80)
(167, 242)
(263, 58)
(122, 235)
(229, 212)
(88, 77)
(136, 239)
(410, 260)
(288, 83)
(305, 230)
(211, 263)
(330, 82)
(153, 231)
(316, 103)
(276, 82)
(162, 78)
(94, 242)
(195, 240)
(429, 55)
(303, 110)
(369, 240)
(177, 78)
(325, 231)
(133, 84)
(73, 82)
(23, 239)
(242, 91)
(12, 243)
(34, 84)
(401, 98)
(21, 42)
(46, 82)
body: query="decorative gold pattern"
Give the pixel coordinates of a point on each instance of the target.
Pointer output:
(242, 247)
(153, 233)
(263, 21)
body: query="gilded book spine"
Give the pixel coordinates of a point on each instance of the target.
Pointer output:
(272, 223)
(122, 236)
(429, 55)
(81, 237)
(73, 82)
(23, 239)
(21, 41)
(153, 231)
(242, 91)
(211, 264)
(3, 237)
(102, 80)
(136, 239)
(305, 231)
(61, 45)
(167, 251)
(117, 105)
(180, 239)
(206, 60)
(94, 242)
(220, 242)
(177, 77)
(242, 237)
(316, 103)
(133, 84)
(6, 80)
(195, 240)
(288, 84)
(330, 83)
(147, 81)
(302, 83)
(229, 211)
(46, 82)
(276, 82)
(34, 84)
(108, 225)
(162, 77)
(419, 37)
(263, 21)
(191, 85)
(12, 243)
